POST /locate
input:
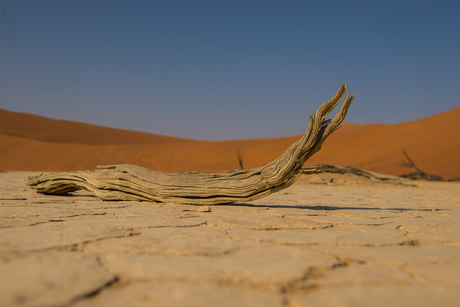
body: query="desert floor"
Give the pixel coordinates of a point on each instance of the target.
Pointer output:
(350, 243)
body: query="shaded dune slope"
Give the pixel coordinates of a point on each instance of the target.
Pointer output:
(35, 143)
(40, 128)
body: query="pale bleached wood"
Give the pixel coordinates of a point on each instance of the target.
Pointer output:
(377, 177)
(131, 182)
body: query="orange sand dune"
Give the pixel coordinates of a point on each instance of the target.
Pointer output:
(34, 143)
(40, 128)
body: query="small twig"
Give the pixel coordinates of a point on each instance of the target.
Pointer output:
(410, 163)
(240, 159)
(418, 174)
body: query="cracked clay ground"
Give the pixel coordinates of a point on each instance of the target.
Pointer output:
(354, 243)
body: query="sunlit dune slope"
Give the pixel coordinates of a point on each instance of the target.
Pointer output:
(34, 143)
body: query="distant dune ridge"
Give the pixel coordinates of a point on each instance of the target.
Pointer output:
(34, 143)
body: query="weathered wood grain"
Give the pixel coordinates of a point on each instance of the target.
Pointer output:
(377, 177)
(131, 182)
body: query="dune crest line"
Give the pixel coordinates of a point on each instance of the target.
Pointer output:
(132, 182)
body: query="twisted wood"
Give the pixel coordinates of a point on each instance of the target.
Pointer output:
(131, 182)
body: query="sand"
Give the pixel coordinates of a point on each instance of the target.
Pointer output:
(33, 143)
(350, 243)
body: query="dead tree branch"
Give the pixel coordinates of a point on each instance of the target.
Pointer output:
(131, 182)
(418, 174)
(376, 177)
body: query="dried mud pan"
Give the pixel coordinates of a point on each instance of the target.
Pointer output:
(353, 243)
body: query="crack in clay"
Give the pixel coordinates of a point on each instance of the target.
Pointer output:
(105, 207)
(84, 214)
(187, 216)
(345, 261)
(415, 243)
(239, 283)
(362, 224)
(308, 288)
(204, 254)
(286, 228)
(314, 272)
(342, 260)
(375, 218)
(177, 226)
(318, 272)
(46, 222)
(272, 241)
(407, 233)
(92, 293)
(79, 247)
(74, 247)
(298, 214)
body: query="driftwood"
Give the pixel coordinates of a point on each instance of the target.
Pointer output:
(131, 182)
(418, 174)
(377, 177)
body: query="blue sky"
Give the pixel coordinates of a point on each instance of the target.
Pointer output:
(220, 70)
